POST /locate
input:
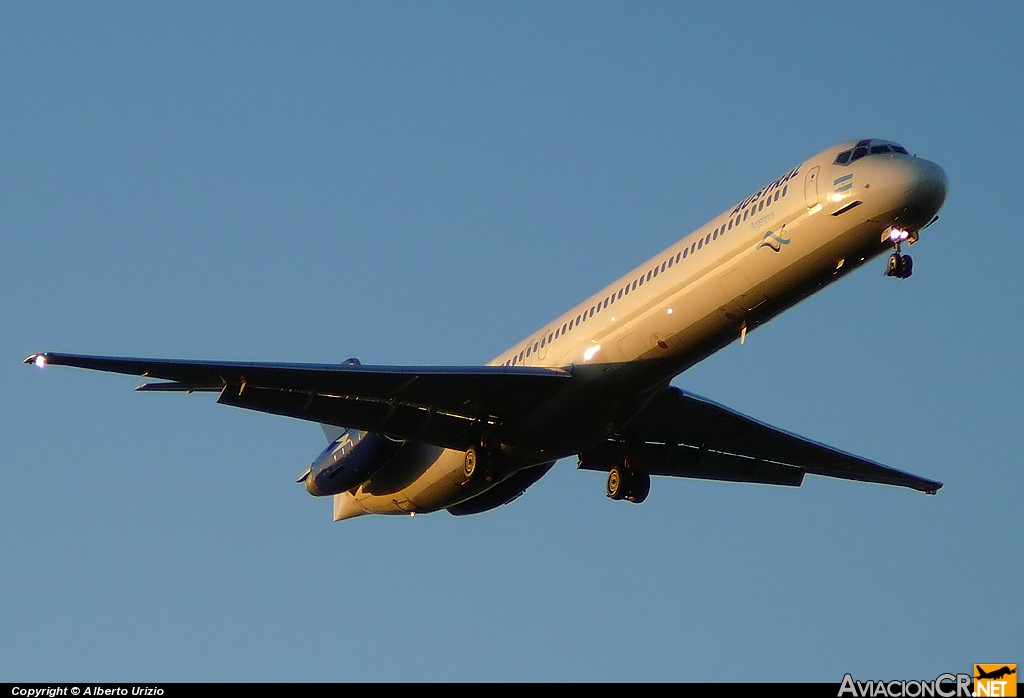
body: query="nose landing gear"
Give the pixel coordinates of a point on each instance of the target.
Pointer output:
(899, 265)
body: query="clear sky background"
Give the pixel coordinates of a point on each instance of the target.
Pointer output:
(427, 183)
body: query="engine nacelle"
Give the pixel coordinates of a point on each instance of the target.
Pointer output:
(349, 461)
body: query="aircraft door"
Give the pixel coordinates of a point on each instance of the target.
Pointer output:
(542, 351)
(811, 187)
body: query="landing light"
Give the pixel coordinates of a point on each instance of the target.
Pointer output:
(588, 354)
(40, 360)
(669, 311)
(898, 234)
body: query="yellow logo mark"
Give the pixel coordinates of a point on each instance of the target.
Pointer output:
(995, 680)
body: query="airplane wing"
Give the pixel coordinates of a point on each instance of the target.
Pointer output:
(446, 406)
(685, 435)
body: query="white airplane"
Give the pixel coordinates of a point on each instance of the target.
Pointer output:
(595, 382)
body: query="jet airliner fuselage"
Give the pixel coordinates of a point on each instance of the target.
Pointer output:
(594, 382)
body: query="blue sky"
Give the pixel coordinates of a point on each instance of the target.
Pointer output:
(426, 183)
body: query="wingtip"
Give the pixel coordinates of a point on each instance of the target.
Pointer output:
(37, 359)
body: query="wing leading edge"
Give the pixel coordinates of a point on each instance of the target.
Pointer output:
(446, 406)
(685, 435)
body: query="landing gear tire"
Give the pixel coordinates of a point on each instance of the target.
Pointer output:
(482, 463)
(892, 268)
(469, 466)
(899, 265)
(625, 482)
(616, 487)
(640, 489)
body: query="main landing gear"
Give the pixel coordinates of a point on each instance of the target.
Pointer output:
(482, 463)
(899, 265)
(629, 483)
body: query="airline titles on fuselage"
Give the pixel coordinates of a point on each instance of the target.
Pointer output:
(766, 190)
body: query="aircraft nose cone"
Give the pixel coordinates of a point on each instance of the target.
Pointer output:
(929, 185)
(311, 485)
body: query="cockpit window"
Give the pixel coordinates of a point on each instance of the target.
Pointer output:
(868, 147)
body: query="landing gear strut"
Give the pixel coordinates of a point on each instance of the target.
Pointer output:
(629, 483)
